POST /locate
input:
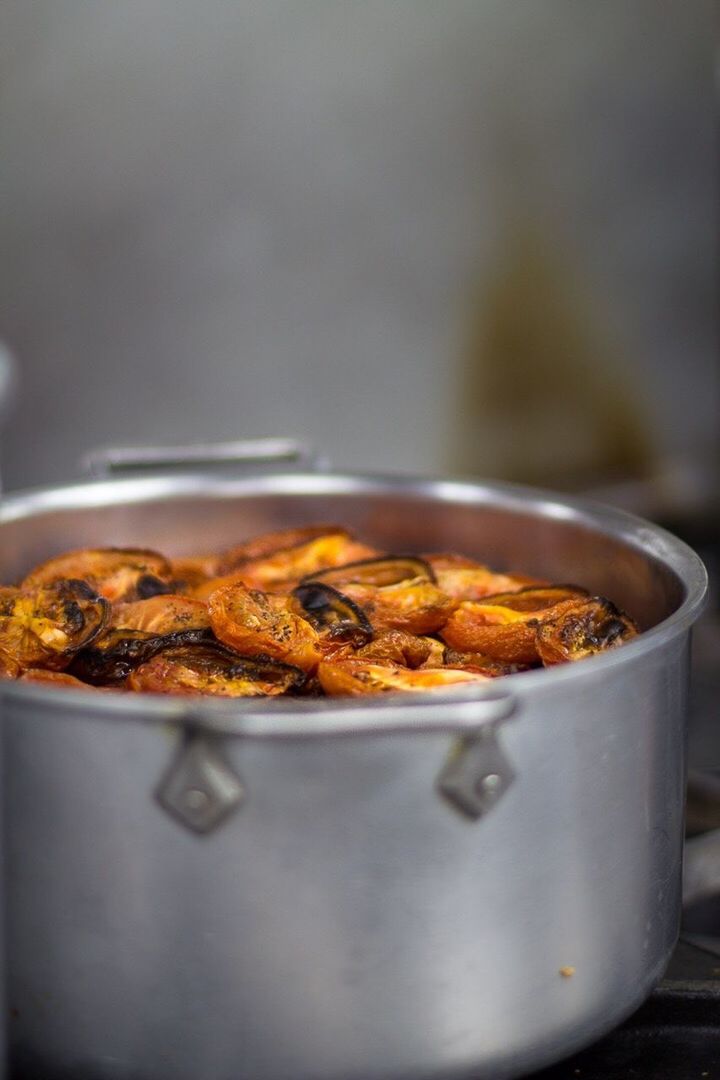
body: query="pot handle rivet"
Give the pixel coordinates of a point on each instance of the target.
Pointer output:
(200, 789)
(476, 774)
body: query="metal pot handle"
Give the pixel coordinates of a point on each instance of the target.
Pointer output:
(201, 789)
(701, 867)
(258, 454)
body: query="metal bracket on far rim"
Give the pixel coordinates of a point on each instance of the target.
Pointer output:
(476, 774)
(200, 789)
(253, 454)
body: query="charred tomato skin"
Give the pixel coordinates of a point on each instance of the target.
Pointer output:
(210, 668)
(504, 627)
(110, 660)
(591, 627)
(47, 625)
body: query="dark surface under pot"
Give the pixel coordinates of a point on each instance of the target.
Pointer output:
(675, 1035)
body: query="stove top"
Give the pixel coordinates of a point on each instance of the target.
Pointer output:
(675, 1035)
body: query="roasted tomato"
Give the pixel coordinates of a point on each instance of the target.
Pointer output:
(203, 590)
(166, 614)
(484, 665)
(9, 667)
(311, 610)
(364, 677)
(55, 678)
(464, 579)
(275, 560)
(115, 573)
(402, 649)
(385, 570)
(416, 605)
(267, 544)
(191, 571)
(212, 669)
(590, 627)
(281, 572)
(44, 626)
(258, 625)
(111, 658)
(504, 627)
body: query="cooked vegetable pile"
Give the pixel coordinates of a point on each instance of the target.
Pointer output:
(310, 611)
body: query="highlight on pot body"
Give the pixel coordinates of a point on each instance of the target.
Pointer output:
(305, 611)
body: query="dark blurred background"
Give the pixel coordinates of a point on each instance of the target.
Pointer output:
(472, 237)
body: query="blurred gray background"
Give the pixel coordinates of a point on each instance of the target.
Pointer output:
(474, 236)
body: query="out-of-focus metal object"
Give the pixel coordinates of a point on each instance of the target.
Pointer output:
(703, 806)
(248, 453)
(334, 916)
(701, 874)
(8, 382)
(8, 379)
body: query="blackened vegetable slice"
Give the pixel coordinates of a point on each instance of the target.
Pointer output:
(109, 661)
(331, 611)
(589, 628)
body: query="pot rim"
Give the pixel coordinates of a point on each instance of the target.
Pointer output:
(248, 716)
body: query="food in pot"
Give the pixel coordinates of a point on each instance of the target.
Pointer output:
(306, 611)
(582, 630)
(115, 573)
(209, 668)
(505, 627)
(45, 625)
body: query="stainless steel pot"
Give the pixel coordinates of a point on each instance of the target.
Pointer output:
(466, 887)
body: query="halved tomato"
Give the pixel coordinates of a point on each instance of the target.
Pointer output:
(364, 677)
(258, 625)
(210, 668)
(55, 678)
(190, 571)
(111, 658)
(504, 627)
(590, 627)
(165, 614)
(402, 649)
(464, 579)
(484, 665)
(115, 573)
(272, 543)
(380, 571)
(276, 560)
(417, 606)
(9, 667)
(45, 626)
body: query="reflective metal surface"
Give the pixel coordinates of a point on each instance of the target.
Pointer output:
(345, 921)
